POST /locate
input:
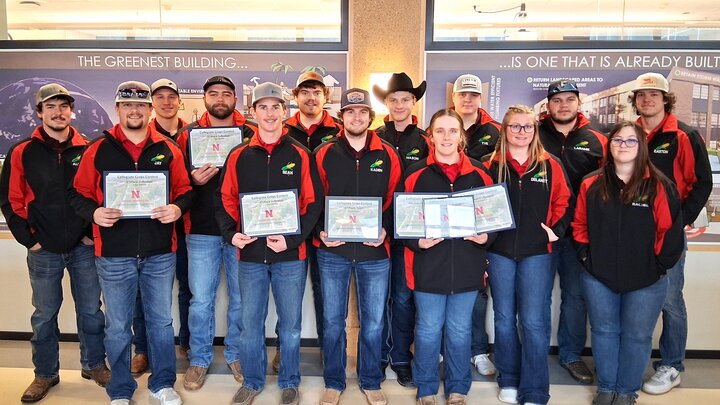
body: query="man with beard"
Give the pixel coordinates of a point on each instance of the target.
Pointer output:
(138, 252)
(166, 103)
(400, 130)
(565, 132)
(311, 126)
(357, 163)
(208, 253)
(679, 152)
(482, 131)
(482, 134)
(36, 173)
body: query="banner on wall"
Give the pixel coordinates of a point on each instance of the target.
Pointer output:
(92, 76)
(605, 79)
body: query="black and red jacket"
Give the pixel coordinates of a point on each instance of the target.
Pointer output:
(628, 246)
(326, 130)
(412, 143)
(130, 237)
(538, 196)
(679, 152)
(581, 152)
(200, 219)
(376, 173)
(482, 136)
(33, 185)
(250, 169)
(453, 265)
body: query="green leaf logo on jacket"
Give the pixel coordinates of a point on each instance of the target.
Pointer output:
(288, 169)
(662, 149)
(76, 160)
(485, 140)
(539, 177)
(641, 201)
(157, 159)
(377, 166)
(582, 146)
(413, 154)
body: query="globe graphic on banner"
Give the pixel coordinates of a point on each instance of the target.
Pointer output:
(19, 118)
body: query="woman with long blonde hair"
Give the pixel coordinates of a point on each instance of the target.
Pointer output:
(520, 270)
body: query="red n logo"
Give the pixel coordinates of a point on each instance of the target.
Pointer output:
(216, 147)
(446, 218)
(353, 219)
(421, 216)
(135, 193)
(268, 214)
(479, 211)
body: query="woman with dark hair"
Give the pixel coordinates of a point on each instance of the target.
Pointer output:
(520, 270)
(629, 231)
(445, 286)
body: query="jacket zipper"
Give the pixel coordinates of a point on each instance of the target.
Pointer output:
(517, 229)
(267, 188)
(357, 193)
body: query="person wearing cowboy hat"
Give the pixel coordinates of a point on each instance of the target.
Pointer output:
(402, 131)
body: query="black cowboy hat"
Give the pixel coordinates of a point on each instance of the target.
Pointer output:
(400, 82)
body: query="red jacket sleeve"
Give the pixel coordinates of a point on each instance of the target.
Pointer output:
(15, 196)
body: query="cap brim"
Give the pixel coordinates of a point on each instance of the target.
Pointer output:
(65, 96)
(164, 87)
(379, 93)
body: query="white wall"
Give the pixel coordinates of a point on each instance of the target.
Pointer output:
(702, 284)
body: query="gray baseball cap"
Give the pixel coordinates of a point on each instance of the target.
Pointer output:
(265, 90)
(51, 90)
(467, 84)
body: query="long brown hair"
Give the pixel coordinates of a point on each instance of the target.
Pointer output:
(636, 186)
(535, 152)
(448, 113)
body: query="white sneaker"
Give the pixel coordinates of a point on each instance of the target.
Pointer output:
(483, 365)
(166, 396)
(508, 395)
(120, 402)
(664, 379)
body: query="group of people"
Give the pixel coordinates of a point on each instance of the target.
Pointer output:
(604, 212)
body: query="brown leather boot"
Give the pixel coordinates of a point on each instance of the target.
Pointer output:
(38, 389)
(139, 364)
(101, 375)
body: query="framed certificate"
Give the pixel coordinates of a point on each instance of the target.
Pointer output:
(353, 219)
(212, 145)
(270, 213)
(136, 193)
(452, 217)
(409, 215)
(493, 211)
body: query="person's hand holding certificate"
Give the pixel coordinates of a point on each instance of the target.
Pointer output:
(138, 194)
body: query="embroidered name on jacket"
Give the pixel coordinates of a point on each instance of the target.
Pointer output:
(413, 154)
(288, 169)
(539, 177)
(662, 149)
(377, 166)
(641, 201)
(157, 159)
(583, 146)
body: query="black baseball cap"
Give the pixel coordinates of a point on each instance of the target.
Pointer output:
(562, 86)
(218, 80)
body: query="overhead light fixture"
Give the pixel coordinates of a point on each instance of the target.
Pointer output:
(520, 14)
(30, 3)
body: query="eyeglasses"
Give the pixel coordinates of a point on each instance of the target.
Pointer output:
(133, 93)
(515, 128)
(630, 142)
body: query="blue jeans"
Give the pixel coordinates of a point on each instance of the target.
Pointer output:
(520, 289)
(673, 338)
(371, 282)
(46, 273)
(622, 328)
(316, 291)
(184, 296)
(207, 255)
(119, 279)
(572, 328)
(399, 316)
(480, 341)
(451, 315)
(287, 280)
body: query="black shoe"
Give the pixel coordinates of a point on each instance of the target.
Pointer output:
(603, 398)
(579, 371)
(624, 399)
(404, 376)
